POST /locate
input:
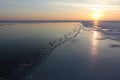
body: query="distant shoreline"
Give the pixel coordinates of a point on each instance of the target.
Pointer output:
(46, 21)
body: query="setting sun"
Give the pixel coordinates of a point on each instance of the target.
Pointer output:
(96, 16)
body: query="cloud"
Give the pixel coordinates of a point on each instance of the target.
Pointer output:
(72, 4)
(92, 6)
(107, 2)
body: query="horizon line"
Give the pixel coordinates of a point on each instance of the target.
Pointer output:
(51, 20)
(25, 21)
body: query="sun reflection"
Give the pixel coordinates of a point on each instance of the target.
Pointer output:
(96, 23)
(94, 42)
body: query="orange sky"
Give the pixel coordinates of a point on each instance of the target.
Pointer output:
(60, 9)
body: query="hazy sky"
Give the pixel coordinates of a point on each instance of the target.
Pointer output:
(59, 9)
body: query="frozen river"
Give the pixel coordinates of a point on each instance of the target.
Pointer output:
(60, 51)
